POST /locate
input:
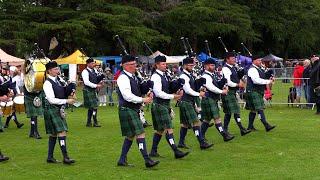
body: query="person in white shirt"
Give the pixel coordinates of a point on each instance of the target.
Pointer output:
(160, 109)
(130, 101)
(188, 114)
(229, 101)
(256, 85)
(209, 104)
(92, 83)
(56, 98)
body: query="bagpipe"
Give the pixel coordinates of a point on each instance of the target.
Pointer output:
(69, 88)
(6, 87)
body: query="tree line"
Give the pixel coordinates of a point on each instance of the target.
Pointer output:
(288, 28)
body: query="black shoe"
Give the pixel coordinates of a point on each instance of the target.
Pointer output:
(52, 160)
(205, 145)
(31, 135)
(179, 154)
(150, 163)
(124, 164)
(154, 154)
(227, 138)
(20, 125)
(3, 158)
(146, 124)
(244, 132)
(96, 125)
(269, 128)
(89, 125)
(183, 146)
(6, 126)
(68, 161)
(1, 130)
(37, 136)
(252, 129)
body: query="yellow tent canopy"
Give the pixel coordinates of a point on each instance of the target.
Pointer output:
(75, 58)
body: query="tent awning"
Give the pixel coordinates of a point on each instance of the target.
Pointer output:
(271, 57)
(75, 58)
(170, 60)
(13, 61)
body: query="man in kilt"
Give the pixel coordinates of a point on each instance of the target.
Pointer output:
(54, 116)
(229, 101)
(188, 114)
(254, 93)
(91, 81)
(160, 109)
(34, 108)
(130, 101)
(209, 103)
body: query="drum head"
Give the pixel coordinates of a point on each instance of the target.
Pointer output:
(9, 103)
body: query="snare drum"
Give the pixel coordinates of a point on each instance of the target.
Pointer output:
(6, 108)
(19, 104)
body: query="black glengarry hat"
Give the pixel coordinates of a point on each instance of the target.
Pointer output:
(127, 58)
(187, 60)
(160, 59)
(51, 64)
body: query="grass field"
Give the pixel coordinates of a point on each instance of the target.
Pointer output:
(291, 151)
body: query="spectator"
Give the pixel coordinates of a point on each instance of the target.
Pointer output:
(109, 85)
(315, 82)
(297, 82)
(306, 83)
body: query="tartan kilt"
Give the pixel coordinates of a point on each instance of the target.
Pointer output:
(130, 122)
(210, 109)
(254, 101)
(90, 98)
(197, 101)
(188, 114)
(161, 118)
(230, 104)
(53, 122)
(32, 110)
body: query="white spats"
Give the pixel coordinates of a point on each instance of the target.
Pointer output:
(94, 113)
(196, 132)
(259, 116)
(171, 141)
(140, 146)
(62, 143)
(238, 119)
(220, 128)
(32, 122)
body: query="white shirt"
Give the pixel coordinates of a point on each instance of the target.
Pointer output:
(48, 90)
(85, 77)
(227, 74)
(209, 85)
(125, 88)
(16, 80)
(254, 75)
(186, 87)
(157, 86)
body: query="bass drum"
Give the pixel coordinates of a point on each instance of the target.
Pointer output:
(35, 74)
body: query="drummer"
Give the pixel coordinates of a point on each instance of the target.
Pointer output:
(9, 75)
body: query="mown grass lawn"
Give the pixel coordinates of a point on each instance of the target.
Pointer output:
(290, 151)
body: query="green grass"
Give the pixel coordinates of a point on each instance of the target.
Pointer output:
(291, 151)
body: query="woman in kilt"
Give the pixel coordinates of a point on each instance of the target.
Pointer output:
(209, 104)
(34, 108)
(229, 101)
(160, 109)
(188, 115)
(130, 101)
(54, 116)
(254, 93)
(91, 81)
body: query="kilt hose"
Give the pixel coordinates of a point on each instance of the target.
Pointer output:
(230, 104)
(210, 109)
(130, 122)
(90, 98)
(161, 118)
(32, 110)
(254, 101)
(53, 122)
(188, 114)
